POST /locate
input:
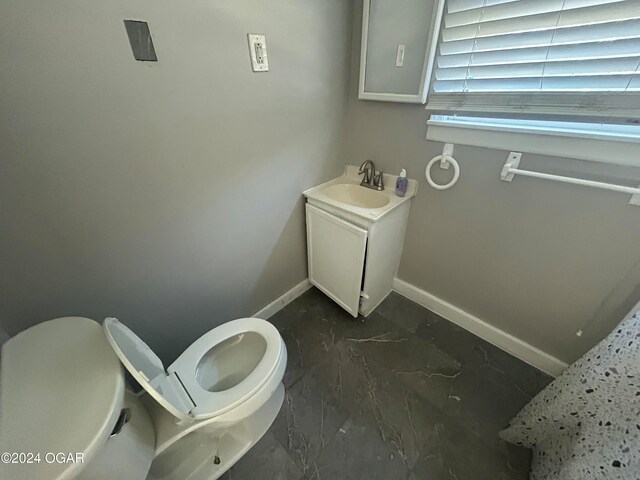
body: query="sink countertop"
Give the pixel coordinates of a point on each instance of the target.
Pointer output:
(351, 177)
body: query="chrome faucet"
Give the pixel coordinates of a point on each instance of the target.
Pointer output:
(371, 178)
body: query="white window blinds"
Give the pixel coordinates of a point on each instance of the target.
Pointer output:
(543, 57)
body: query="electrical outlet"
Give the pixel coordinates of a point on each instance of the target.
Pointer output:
(258, 52)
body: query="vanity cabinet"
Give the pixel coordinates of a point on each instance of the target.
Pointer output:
(354, 253)
(336, 254)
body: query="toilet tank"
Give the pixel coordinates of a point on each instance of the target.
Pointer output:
(62, 394)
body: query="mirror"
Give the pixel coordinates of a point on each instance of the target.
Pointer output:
(399, 38)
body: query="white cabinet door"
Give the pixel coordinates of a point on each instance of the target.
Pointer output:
(335, 251)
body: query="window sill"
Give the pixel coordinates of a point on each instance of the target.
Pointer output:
(605, 147)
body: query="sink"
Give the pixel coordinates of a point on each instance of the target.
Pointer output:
(356, 195)
(345, 195)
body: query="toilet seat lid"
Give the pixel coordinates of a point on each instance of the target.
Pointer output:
(147, 368)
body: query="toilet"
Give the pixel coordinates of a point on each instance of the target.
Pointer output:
(190, 421)
(214, 401)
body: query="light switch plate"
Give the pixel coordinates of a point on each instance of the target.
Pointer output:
(400, 56)
(258, 52)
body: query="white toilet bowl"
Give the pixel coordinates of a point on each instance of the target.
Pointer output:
(214, 402)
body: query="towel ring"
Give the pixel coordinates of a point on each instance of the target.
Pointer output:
(444, 163)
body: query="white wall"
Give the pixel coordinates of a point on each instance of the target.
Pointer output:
(167, 194)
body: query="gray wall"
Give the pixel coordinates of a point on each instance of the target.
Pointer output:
(536, 259)
(167, 194)
(390, 26)
(3, 336)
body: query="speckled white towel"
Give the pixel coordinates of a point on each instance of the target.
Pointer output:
(586, 423)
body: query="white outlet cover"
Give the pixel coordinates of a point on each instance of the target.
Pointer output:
(258, 52)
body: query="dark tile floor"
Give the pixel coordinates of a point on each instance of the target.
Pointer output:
(402, 394)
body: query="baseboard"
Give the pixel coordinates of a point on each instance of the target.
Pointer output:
(505, 341)
(283, 300)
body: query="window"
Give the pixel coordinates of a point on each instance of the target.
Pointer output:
(604, 143)
(576, 60)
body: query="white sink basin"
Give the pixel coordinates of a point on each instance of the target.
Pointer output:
(347, 196)
(356, 195)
